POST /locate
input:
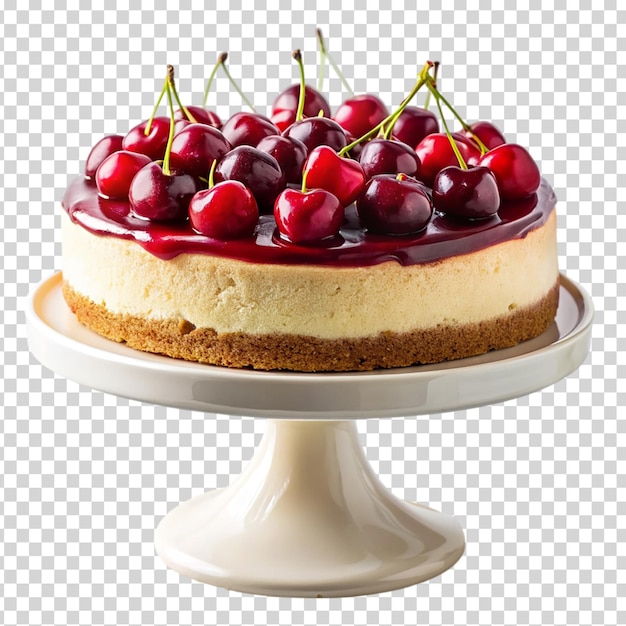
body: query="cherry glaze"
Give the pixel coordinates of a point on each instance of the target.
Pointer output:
(442, 238)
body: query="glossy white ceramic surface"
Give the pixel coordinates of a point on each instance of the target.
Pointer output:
(308, 517)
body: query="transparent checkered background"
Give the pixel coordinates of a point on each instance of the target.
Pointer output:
(538, 483)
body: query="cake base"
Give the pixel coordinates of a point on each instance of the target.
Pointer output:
(180, 339)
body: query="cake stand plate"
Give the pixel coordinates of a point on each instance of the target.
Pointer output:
(308, 516)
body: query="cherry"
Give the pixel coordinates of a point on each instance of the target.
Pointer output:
(359, 114)
(515, 170)
(474, 154)
(290, 154)
(343, 177)
(153, 144)
(489, 134)
(414, 124)
(195, 147)
(257, 170)
(160, 196)
(394, 205)
(225, 211)
(248, 129)
(385, 127)
(435, 153)
(200, 115)
(313, 131)
(157, 192)
(116, 172)
(470, 193)
(386, 156)
(180, 124)
(411, 124)
(103, 148)
(298, 101)
(308, 216)
(318, 131)
(286, 104)
(356, 149)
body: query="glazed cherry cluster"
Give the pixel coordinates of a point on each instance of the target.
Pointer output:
(306, 166)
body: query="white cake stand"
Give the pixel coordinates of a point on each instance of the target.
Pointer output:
(308, 516)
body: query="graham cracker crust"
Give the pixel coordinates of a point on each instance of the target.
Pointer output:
(179, 339)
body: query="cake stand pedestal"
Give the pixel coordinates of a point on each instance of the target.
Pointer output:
(308, 516)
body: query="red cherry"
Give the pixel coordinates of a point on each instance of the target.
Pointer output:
(227, 210)
(290, 154)
(414, 124)
(157, 196)
(116, 172)
(515, 170)
(306, 217)
(103, 148)
(386, 156)
(342, 176)
(358, 115)
(461, 137)
(435, 153)
(474, 153)
(355, 151)
(283, 119)
(195, 147)
(286, 104)
(489, 134)
(257, 170)
(247, 129)
(471, 193)
(152, 145)
(318, 131)
(394, 205)
(201, 115)
(180, 124)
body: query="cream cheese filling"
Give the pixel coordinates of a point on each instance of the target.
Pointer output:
(229, 295)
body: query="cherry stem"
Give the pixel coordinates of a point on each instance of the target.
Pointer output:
(303, 188)
(220, 59)
(322, 69)
(172, 84)
(455, 148)
(386, 133)
(297, 55)
(335, 67)
(435, 70)
(148, 127)
(211, 181)
(234, 84)
(390, 118)
(483, 148)
(170, 139)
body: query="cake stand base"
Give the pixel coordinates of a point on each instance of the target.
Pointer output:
(308, 517)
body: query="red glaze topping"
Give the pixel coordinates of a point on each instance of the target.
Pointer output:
(443, 237)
